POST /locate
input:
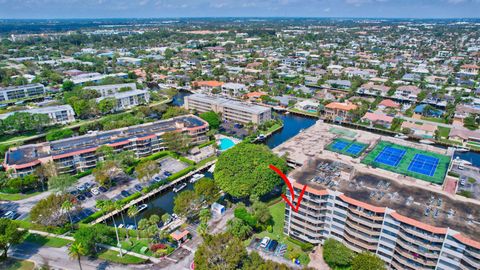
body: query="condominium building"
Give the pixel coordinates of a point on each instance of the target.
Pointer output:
(230, 110)
(61, 114)
(408, 227)
(22, 91)
(128, 99)
(110, 89)
(78, 154)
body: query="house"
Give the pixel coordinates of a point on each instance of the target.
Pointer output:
(207, 85)
(340, 84)
(180, 236)
(312, 80)
(469, 69)
(378, 119)
(124, 61)
(411, 77)
(424, 131)
(308, 105)
(372, 89)
(462, 111)
(254, 96)
(233, 89)
(338, 111)
(128, 99)
(217, 209)
(407, 93)
(464, 135)
(388, 104)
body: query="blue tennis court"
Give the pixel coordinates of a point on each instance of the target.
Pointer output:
(355, 149)
(423, 164)
(390, 156)
(339, 145)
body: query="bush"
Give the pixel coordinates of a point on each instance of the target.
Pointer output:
(59, 134)
(155, 247)
(242, 213)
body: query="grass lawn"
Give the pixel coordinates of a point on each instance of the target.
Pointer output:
(443, 132)
(274, 128)
(278, 212)
(46, 240)
(14, 264)
(137, 246)
(303, 112)
(112, 256)
(16, 196)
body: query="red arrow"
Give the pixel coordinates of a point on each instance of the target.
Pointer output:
(289, 185)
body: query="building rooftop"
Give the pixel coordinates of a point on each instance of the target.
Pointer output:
(28, 153)
(238, 105)
(43, 110)
(21, 87)
(407, 200)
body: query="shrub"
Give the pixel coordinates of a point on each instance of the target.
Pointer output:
(155, 247)
(242, 213)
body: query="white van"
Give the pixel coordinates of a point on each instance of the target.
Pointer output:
(264, 242)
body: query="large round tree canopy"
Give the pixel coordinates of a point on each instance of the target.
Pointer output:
(244, 170)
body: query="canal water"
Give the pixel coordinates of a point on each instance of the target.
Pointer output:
(292, 125)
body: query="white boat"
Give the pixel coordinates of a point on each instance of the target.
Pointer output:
(401, 136)
(211, 169)
(142, 207)
(121, 225)
(261, 137)
(462, 161)
(179, 187)
(196, 177)
(426, 142)
(461, 149)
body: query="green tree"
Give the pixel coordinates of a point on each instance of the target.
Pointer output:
(106, 105)
(9, 235)
(48, 211)
(367, 261)
(132, 213)
(212, 118)
(186, 204)
(68, 85)
(173, 112)
(176, 141)
(244, 170)
(239, 228)
(337, 254)
(61, 182)
(220, 252)
(206, 190)
(76, 251)
(146, 170)
(67, 206)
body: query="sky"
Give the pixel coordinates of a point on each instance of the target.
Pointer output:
(45, 9)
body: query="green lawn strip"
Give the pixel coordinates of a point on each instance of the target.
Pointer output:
(434, 119)
(450, 141)
(344, 150)
(113, 256)
(402, 167)
(137, 246)
(303, 112)
(14, 264)
(16, 196)
(443, 131)
(278, 216)
(46, 240)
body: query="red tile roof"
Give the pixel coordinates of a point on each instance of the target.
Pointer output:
(362, 204)
(389, 103)
(418, 224)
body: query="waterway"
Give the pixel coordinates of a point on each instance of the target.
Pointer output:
(292, 125)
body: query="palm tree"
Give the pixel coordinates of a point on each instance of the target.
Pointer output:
(202, 229)
(205, 215)
(132, 212)
(77, 250)
(68, 206)
(119, 206)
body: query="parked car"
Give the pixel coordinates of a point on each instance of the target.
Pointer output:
(125, 193)
(167, 173)
(95, 191)
(80, 197)
(272, 245)
(103, 189)
(265, 242)
(138, 187)
(88, 194)
(9, 215)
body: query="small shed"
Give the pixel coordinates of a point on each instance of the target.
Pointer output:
(218, 209)
(180, 236)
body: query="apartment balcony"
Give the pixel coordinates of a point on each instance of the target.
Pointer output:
(358, 227)
(312, 234)
(359, 243)
(369, 223)
(471, 262)
(473, 254)
(298, 216)
(422, 235)
(363, 214)
(417, 259)
(430, 255)
(402, 236)
(307, 225)
(358, 234)
(399, 266)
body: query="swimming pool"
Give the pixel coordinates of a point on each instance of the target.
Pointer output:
(226, 143)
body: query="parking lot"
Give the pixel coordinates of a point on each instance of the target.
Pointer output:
(88, 192)
(469, 182)
(272, 250)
